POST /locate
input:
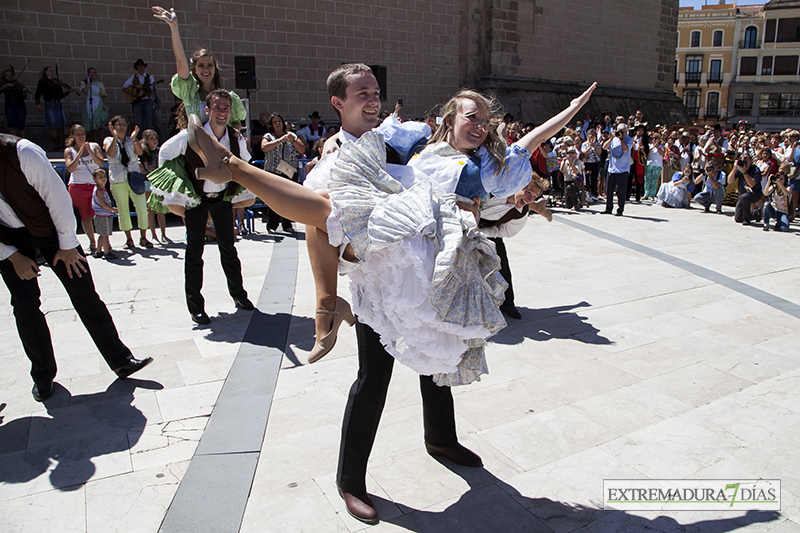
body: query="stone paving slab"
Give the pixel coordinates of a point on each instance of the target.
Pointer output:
(659, 344)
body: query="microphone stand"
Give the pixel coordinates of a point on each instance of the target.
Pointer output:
(91, 104)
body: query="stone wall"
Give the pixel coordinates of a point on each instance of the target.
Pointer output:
(430, 48)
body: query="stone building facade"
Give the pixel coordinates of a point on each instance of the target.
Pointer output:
(535, 54)
(707, 38)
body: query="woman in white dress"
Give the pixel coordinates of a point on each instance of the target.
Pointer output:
(676, 193)
(95, 112)
(443, 269)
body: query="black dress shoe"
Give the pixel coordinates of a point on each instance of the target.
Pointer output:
(511, 312)
(458, 454)
(133, 365)
(42, 391)
(201, 318)
(359, 507)
(244, 304)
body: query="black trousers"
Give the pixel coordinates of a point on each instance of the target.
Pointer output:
(743, 212)
(619, 182)
(222, 215)
(365, 406)
(31, 323)
(505, 270)
(592, 174)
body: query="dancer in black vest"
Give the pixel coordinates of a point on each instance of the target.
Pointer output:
(37, 226)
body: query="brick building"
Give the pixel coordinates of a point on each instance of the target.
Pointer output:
(535, 54)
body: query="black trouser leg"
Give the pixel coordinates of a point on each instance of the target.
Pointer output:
(622, 191)
(438, 413)
(505, 270)
(193, 261)
(222, 215)
(93, 313)
(363, 411)
(31, 324)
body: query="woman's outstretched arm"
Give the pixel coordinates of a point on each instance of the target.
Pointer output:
(533, 139)
(171, 18)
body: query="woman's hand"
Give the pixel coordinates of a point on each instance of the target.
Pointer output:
(582, 99)
(170, 17)
(135, 133)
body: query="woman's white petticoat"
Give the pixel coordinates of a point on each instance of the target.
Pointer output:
(428, 282)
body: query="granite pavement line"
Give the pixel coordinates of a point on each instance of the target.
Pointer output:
(214, 491)
(790, 308)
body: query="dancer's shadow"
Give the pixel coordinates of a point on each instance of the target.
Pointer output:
(80, 428)
(491, 504)
(560, 322)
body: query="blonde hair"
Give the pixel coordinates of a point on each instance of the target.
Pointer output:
(489, 106)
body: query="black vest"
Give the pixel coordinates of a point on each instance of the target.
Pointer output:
(19, 194)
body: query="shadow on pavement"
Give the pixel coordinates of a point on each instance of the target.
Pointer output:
(80, 429)
(493, 505)
(551, 323)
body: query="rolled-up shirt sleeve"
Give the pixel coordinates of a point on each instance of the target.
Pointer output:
(40, 174)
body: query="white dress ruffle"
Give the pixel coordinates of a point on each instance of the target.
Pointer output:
(428, 281)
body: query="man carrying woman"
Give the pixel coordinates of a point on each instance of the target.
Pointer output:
(363, 192)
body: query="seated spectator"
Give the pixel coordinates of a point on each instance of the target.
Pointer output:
(677, 193)
(713, 179)
(778, 195)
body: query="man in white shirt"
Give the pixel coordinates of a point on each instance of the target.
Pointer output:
(313, 132)
(37, 226)
(141, 89)
(505, 217)
(214, 199)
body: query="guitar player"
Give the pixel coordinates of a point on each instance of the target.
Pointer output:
(140, 89)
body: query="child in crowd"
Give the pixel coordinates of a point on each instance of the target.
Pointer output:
(103, 215)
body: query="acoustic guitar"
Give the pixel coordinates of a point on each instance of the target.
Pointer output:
(136, 92)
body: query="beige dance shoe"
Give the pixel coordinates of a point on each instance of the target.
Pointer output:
(216, 167)
(341, 312)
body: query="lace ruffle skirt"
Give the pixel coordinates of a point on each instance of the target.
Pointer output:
(428, 282)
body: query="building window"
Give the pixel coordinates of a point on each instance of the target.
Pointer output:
(769, 31)
(695, 39)
(676, 71)
(712, 105)
(743, 104)
(694, 66)
(785, 66)
(750, 38)
(766, 66)
(715, 73)
(779, 104)
(690, 100)
(748, 66)
(787, 30)
(717, 38)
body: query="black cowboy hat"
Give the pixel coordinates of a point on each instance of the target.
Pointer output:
(139, 61)
(314, 114)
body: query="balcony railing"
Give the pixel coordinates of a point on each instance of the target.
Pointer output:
(715, 77)
(693, 111)
(693, 77)
(750, 44)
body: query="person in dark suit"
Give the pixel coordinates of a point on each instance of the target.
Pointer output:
(37, 226)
